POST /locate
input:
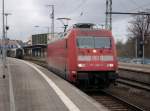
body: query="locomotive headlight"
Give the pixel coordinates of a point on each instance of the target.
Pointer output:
(81, 65)
(94, 51)
(110, 65)
(74, 72)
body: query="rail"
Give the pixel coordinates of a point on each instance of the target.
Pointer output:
(113, 102)
(135, 84)
(135, 67)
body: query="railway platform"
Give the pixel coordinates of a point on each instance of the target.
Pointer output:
(29, 87)
(135, 67)
(136, 72)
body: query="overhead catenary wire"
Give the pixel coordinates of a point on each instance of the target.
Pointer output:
(81, 4)
(78, 7)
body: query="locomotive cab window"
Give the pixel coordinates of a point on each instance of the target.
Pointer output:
(102, 42)
(85, 42)
(93, 42)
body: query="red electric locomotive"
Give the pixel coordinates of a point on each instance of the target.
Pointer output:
(84, 53)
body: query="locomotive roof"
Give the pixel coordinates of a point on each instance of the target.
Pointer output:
(82, 28)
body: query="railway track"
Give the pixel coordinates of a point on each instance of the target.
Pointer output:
(112, 102)
(135, 84)
(38, 62)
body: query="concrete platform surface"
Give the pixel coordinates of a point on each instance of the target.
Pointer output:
(135, 67)
(29, 87)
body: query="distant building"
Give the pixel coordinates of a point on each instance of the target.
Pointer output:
(36, 46)
(12, 44)
(28, 43)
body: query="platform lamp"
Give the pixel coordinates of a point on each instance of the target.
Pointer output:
(48, 29)
(7, 27)
(36, 26)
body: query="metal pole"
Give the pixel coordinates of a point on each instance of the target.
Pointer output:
(143, 57)
(6, 15)
(6, 28)
(1, 48)
(136, 48)
(110, 27)
(52, 26)
(108, 22)
(3, 38)
(52, 22)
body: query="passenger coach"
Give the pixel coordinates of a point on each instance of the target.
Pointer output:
(84, 54)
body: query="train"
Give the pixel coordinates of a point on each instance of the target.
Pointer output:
(84, 55)
(16, 53)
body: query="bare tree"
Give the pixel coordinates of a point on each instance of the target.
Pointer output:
(139, 25)
(123, 49)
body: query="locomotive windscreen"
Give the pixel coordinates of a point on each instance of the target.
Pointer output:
(93, 42)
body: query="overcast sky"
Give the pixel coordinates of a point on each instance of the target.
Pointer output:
(28, 13)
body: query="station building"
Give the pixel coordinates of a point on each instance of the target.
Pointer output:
(36, 46)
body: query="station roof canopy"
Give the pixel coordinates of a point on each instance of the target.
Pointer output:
(35, 46)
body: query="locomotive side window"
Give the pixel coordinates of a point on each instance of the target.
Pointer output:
(102, 42)
(93, 42)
